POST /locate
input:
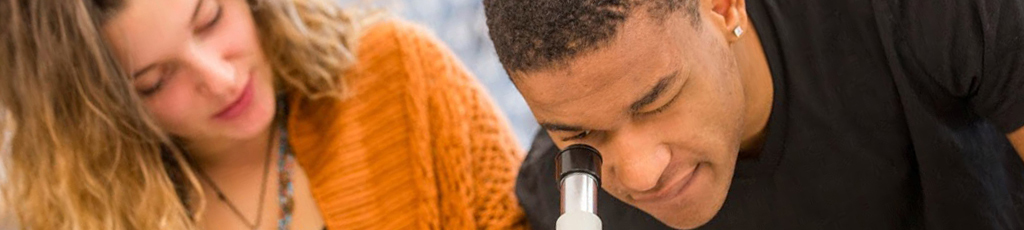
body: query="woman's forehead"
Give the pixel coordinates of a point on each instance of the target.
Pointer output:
(143, 29)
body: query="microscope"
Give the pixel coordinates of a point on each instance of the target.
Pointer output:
(579, 177)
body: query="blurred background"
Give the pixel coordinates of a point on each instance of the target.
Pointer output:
(461, 25)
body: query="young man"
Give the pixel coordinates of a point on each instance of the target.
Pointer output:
(770, 114)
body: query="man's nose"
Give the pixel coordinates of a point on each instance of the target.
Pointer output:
(634, 161)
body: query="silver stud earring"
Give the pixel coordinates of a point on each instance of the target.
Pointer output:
(738, 31)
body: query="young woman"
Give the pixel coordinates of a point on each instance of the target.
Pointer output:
(236, 114)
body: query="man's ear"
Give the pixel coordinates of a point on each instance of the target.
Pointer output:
(726, 16)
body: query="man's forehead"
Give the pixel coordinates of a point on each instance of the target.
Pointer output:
(556, 95)
(621, 69)
(559, 86)
(641, 46)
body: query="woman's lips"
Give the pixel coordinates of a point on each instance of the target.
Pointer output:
(668, 190)
(240, 105)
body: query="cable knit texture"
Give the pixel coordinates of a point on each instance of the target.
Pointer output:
(416, 145)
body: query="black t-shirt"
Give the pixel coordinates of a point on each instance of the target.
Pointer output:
(887, 115)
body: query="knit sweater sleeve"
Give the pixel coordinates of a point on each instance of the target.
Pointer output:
(475, 153)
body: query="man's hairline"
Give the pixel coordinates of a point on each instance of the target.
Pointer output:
(563, 63)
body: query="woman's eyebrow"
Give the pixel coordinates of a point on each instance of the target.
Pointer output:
(195, 13)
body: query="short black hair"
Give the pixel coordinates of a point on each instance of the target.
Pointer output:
(535, 34)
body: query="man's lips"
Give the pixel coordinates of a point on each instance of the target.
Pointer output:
(239, 105)
(667, 190)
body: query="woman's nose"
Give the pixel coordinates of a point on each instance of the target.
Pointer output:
(215, 74)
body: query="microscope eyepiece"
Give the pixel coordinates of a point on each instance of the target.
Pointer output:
(578, 158)
(578, 170)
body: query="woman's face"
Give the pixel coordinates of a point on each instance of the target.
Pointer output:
(198, 66)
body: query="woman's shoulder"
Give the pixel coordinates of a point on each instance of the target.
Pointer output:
(387, 32)
(392, 36)
(398, 60)
(402, 52)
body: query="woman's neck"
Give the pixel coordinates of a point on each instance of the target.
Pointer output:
(240, 155)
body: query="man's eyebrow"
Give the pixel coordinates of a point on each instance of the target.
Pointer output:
(654, 93)
(195, 13)
(556, 127)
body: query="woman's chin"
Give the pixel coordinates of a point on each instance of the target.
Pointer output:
(252, 125)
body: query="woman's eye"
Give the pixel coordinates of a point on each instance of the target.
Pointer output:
(156, 80)
(213, 21)
(149, 91)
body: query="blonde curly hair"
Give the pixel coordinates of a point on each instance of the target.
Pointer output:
(83, 151)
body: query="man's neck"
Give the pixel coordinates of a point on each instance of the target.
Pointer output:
(758, 90)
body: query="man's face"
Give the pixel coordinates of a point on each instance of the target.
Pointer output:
(663, 102)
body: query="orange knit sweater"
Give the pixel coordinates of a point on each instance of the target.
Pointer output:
(417, 145)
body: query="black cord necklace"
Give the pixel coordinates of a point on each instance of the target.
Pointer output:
(263, 190)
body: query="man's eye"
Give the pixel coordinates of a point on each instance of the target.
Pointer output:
(659, 109)
(581, 135)
(664, 107)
